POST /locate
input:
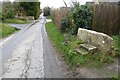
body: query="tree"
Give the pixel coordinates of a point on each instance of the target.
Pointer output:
(16, 6)
(46, 11)
(8, 10)
(31, 8)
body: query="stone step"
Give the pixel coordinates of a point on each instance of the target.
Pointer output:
(82, 51)
(89, 48)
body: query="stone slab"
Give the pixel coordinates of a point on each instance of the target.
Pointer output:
(102, 41)
(88, 47)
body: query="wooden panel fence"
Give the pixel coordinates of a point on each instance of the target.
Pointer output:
(106, 18)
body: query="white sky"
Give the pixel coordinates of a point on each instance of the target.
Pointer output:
(57, 3)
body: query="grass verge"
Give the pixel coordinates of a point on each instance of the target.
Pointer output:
(15, 21)
(66, 45)
(116, 40)
(6, 30)
(48, 17)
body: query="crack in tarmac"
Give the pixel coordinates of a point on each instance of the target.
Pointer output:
(27, 63)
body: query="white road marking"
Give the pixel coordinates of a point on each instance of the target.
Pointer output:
(3, 41)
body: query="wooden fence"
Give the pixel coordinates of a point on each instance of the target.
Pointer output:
(106, 18)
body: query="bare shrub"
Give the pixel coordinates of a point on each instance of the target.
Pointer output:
(58, 14)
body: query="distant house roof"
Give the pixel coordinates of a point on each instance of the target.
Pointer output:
(103, 1)
(113, 3)
(106, 0)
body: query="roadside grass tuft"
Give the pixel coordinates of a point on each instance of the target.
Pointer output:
(48, 17)
(15, 21)
(66, 45)
(6, 30)
(116, 40)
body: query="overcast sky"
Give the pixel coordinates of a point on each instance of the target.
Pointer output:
(57, 3)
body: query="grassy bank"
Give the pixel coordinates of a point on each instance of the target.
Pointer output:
(66, 45)
(15, 21)
(48, 17)
(6, 30)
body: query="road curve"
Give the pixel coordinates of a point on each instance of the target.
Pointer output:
(27, 55)
(31, 55)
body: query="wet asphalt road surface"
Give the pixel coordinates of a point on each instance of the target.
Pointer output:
(29, 54)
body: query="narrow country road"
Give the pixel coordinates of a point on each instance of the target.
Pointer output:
(29, 54)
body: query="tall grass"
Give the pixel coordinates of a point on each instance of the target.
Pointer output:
(6, 30)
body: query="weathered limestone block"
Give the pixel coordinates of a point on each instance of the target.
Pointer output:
(102, 41)
(89, 48)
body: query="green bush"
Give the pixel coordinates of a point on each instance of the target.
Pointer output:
(64, 25)
(78, 17)
(82, 15)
